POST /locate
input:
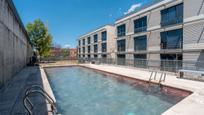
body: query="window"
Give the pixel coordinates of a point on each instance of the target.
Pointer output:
(95, 48)
(172, 39)
(104, 47)
(89, 40)
(83, 41)
(89, 49)
(121, 45)
(140, 43)
(89, 56)
(95, 56)
(140, 25)
(83, 49)
(140, 60)
(79, 42)
(104, 36)
(96, 38)
(79, 50)
(172, 15)
(121, 30)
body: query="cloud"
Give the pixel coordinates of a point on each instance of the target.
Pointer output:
(110, 15)
(67, 46)
(133, 7)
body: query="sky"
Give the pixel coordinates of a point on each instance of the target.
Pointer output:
(69, 19)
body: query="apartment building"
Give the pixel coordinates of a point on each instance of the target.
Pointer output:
(168, 30)
(99, 43)
(15, 46)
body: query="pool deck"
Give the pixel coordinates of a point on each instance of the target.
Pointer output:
(191, 105)
(11, 95)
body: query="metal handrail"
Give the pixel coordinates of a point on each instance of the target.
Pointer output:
(38, 86)
(162, 77)
(153, 73)
(42, 92)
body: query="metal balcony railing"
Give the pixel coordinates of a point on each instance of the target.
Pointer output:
(140, 29)
(121, 34)
(166, 45)
(121, 49)
(140, 48)
(175, 20)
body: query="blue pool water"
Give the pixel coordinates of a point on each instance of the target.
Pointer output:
(81, 91)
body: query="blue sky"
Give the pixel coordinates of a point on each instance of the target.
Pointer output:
(68, 19)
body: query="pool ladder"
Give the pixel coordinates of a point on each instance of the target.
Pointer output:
(37, 89)
(153, 76)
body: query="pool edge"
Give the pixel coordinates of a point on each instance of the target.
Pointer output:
(47, 86)
(172, 110)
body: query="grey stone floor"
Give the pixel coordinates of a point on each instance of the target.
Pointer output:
(11, 95)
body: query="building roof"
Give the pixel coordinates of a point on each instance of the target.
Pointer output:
(95, 30)
(13, 8)
(144, 10)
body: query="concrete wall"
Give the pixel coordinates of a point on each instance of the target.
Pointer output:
(15, 49)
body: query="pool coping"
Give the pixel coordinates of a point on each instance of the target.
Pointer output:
(47, 86)
(173, 110)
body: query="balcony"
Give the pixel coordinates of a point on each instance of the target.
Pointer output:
(121, 34)
(171, 21)
(121, 49)
(171, 45)
(140, 48)
(140, 29)
(104, 50)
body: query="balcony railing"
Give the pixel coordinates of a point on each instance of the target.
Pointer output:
(121, 34)
(104, 50)
(141, 29)
(172, 45)
(95, 51)
(121, 49)
(140, 48)
(172, 21)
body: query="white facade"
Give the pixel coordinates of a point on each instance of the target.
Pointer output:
(192, 25)
(110, 43)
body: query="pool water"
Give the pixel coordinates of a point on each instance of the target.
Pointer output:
(81, 91)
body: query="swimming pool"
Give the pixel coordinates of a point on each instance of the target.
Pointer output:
(82, 91)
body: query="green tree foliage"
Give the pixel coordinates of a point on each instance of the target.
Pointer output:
(40, 37)
(64, 52)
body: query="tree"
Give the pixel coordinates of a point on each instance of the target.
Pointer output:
(40, 37)
(65, 52)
